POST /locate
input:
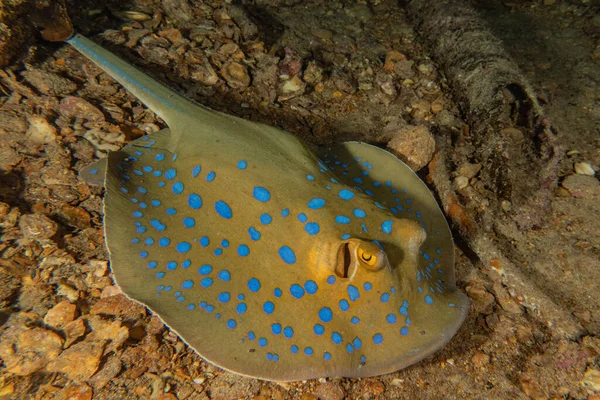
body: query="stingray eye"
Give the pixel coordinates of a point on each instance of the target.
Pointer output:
(366, 257)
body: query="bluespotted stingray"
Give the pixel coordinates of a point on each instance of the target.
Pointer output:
(270, 258)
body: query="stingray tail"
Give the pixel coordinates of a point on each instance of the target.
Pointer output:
(169, 105)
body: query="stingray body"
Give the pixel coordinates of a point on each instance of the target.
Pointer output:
(269, 258)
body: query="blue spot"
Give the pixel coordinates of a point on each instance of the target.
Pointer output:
(353, 293)
(241, 308)
(206, 282)
(177, 188)
(312, 228)
(287, 255)
(138, 214)
(205, 269)
(254, 234)
(404, 331)
(357, 343)
(386, 227)
(218, 252)
(276, 329)
(155, 203)
(170, 174)
(94, 171)
(346, 194)
(345, 236)
(341, 219)
(268, 307)
(191, 306)
(171, 265)
(265, 219)
(254, 285)
(311, 287)
(302, 217)
(223, 209)
(187, 284)
(157, 173)
(211, 176)
(194, 201)
(336, 338)
(224, 297)
(355, 320)
(344, 305)
(326, 356)
(241, 296)
(319, 329)
(242, 164)
(368, 286)
(183, 247)
(186, 264)
(152, 264)
(204, 241)
(391, 318)
(171, 211)
(138, 172)
(147, 168)
(358, 213)
(143, 205)
(164, 241)
(277, 292)
(142, 190)
(288, 332)
(243, 250)
(159, 157)
(331, 279)
(225, 275)
(358, 180)
(160, 275)
(297, 291)
(262, 342)
(189, 222)
(316, 203)
(310, 177)
(261, 194)
(231, 324)
(385, 297)
(325, 314)
(285, 212)
(210, 308)
(294, 349)
(149, 241)
(428, 300)
(196, 171)
(308, 351)
(378, 338)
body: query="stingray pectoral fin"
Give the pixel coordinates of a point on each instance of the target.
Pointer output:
(94, 173)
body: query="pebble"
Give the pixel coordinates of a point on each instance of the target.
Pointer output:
(480, 359)
(313, 73)
(80, 391)
(204, 73)
(290, 88)
(110, 369)
(236, 75)
(76, 107)
(461, 182)
(414, 145)
(60, 315)
(329, 391)
(591, 379)
(506, 205)
(73, 331)
(40, 131)
(25, 351)
(506, 302)
(531, 388)
(482, 299)
(584, 168)
(80, 361)
(37, 227)
(49, 83)
(582, 186)
(469, 170)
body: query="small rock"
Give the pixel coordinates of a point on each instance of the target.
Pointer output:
(391, 57)
(482, 299)
(132, 15)
(582, 186)
(61, 314)
(290, 88)
(37, 227)
(532, 388)
(40, 131)
(584, 168)
(469, 170)
(109, 370)
(49, 83)
(80, 391)
(80, 361)
(329, 391)
(506, 302)
(460, 182)
(480, 359)
(76, 107)
(204, 73)
(25, 351)
(236, 75)
(119, 306)
(313, 73)
(591, 379)
(107, 330)
(506, 205)
(414, 145)
(73, 331)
